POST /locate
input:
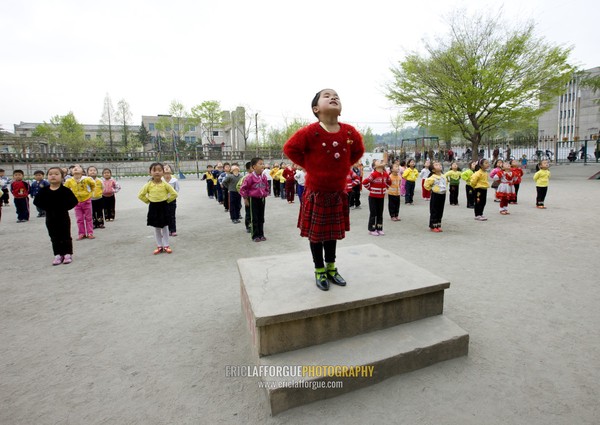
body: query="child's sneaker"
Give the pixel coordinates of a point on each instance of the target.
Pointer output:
(91, 236)
(482, 218)
(262, 238)
(167, 249)
(80, 237)
(58, 259)
(374, 233)
(380, 232)
(158, 250)
(256, 240)
(68, 259)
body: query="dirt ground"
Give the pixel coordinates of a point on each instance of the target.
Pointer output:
(124, 337)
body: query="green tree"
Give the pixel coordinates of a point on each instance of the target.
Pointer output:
(209, 117)
(144, 135)
(483, 75)
(64, 132)
(278, 136)
(368, 138)
(123, 118)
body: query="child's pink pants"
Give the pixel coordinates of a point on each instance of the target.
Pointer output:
(83, 213)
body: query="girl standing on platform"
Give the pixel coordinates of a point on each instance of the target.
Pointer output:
(326, 150)
(479, 182)
(410, 175)
(109, 188)
(157, 194)
(425, 172)
(436, 183)
(56, 200)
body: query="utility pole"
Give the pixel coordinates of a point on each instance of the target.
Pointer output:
(256, 130)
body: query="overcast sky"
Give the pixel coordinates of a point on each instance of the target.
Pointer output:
(269, 56)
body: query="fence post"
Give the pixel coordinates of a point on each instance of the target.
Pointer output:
(556, 152)
(585, 152)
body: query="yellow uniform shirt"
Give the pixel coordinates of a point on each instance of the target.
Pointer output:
(157, 192)
(542, 178)
(410, 174)
(83, 188)
(479, 180)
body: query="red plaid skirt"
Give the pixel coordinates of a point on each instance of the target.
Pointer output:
(324, 216)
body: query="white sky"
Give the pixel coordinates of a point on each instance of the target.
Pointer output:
(269, 56)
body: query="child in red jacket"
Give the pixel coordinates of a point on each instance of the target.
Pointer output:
(377, 184)
(326, 150)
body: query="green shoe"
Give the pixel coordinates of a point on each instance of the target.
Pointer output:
(322, 281)
(335, 278)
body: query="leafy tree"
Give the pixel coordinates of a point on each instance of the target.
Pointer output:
(108, 119)
(123, 118)
(144, 135)
(64, 132)
(209, 117)
(368, 139)
(483, 75)
(277, 137)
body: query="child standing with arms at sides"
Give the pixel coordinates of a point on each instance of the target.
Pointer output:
(210, 182)
(498, 166)
(466, 176)
(290, 187)
(281, 180)
(218, 189)
(300, 178)
(97, 201)
(377, 184)
(479, 182)
(326, 149)
(518, 174)
(238, 186)
(436, 183)
(453, 178)
(355, 198)
(352, 180)
(275, 174)
(168, 177)
(158, 194)
(36, 185)
(224, 174)
(20, 192)
(394, 193)
(82, 187)
(410, 175)
(403, 180)
(505, 191)
(4, 182)
(235, 200)
(56, 200)
(542, 179)
(425, 172)
(254, 192)
(109, 188)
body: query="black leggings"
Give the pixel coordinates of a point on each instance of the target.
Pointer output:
(317, 248)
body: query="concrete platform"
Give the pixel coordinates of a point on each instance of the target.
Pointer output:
(390, 352)
(285, 311)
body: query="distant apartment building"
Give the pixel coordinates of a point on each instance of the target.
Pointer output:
(228, 136)
(574, 116)
(23, 136)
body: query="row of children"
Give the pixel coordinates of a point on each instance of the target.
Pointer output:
(92, 198)
(506, 177)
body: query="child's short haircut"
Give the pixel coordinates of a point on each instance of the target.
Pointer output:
(209, 166)
(1, 170)
(88, 169)
(107, 169)
(62, 173)
(249, 165)
(36, 172)
(156, 164)
(18, 172)
(254, 161)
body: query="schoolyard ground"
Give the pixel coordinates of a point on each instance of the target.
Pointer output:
(124, 337)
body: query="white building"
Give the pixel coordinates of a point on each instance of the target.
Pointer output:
(574, 116)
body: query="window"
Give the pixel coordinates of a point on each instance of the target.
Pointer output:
(88, 137)
(168, 128)
(192, 128)
(215, 133)
(23, 134)
(151, 126)
(176, 127)
(99, 136)
(187, 139)
(193, 139)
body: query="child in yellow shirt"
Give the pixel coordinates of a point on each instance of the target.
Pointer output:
(82, 187)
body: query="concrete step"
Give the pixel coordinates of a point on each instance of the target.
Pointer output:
(389, 352)
(285, 311)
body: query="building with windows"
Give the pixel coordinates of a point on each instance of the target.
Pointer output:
(230, 135)
(574, 116)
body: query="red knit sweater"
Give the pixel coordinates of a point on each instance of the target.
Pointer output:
(377, 183)
(326, 157)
